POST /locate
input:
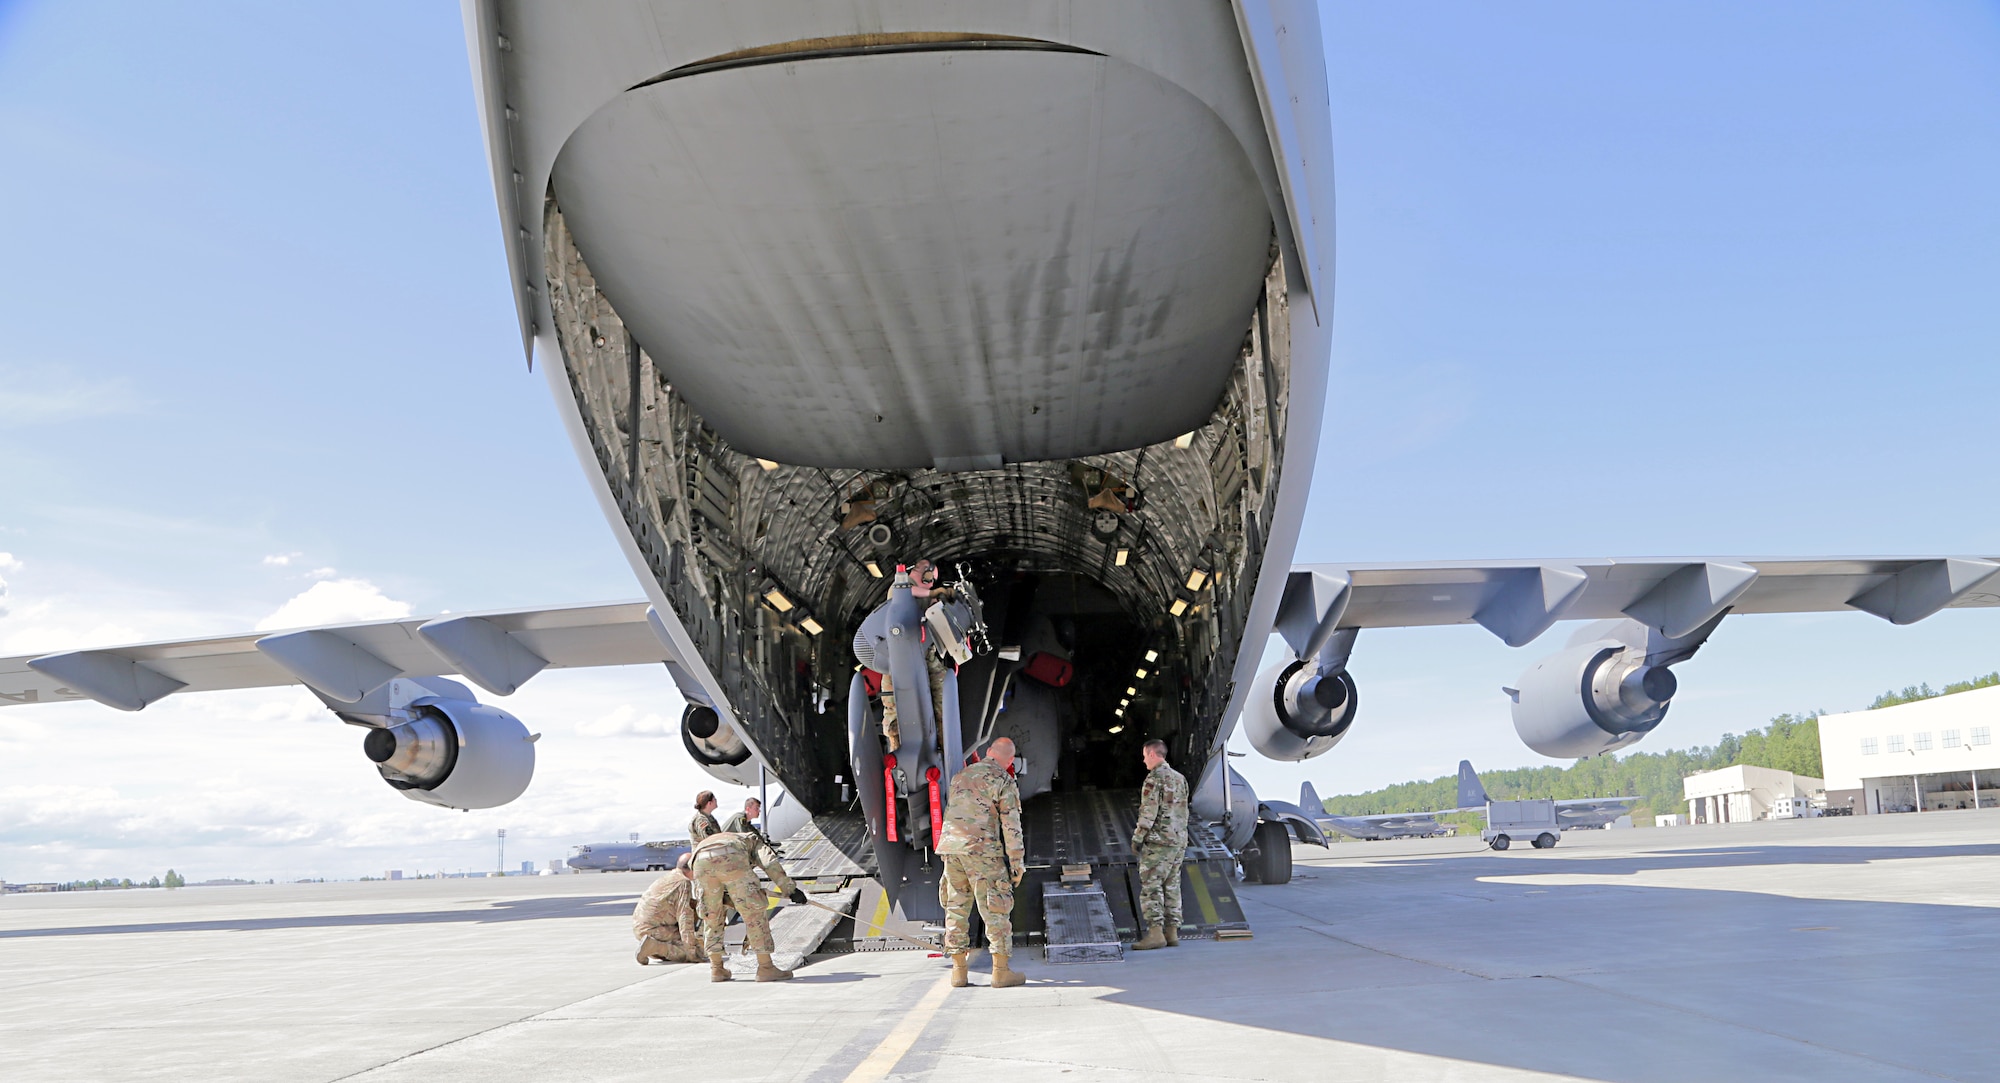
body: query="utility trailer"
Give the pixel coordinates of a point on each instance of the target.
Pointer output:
(1532, 820)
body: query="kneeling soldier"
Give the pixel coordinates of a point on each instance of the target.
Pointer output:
(723, 866)
(664, 920)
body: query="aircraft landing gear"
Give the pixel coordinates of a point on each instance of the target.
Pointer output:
(1268, 859)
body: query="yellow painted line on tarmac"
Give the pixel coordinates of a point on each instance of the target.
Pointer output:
(899, 1040)
(1201, 897)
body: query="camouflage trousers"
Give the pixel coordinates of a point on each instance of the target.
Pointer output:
(728, 880)
(935, 669)
(670, 948)
(1160, 885)
(981, 879)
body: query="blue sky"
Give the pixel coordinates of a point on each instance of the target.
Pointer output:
(1612, 280)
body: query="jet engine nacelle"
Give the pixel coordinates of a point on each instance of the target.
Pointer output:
(454, 753)
(1297, 712)
(716, 746)
(1591, 698)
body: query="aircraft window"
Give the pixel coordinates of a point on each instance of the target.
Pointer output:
(1868, 746)
(1948, 739)
(1895, 742)
(1921, 742)
(1982, 735)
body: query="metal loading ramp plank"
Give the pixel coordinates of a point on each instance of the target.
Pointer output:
(1078, 925)
(798, 931)
(829, 845)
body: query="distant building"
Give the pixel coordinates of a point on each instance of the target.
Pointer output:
(527, 868)
(1671, 819)
(395, 874)
(1742, 793)
(1933, 754)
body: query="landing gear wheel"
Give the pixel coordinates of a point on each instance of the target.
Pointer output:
(1501, 842)
(1544, 841)
(1273, 862)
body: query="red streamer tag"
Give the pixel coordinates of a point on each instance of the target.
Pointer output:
(889, 790)
(937, 810)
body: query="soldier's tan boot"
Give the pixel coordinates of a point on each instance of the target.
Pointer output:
(1153, 939)
(645, 956)
(717, 971)
(1173, 933)
(1005, 977)
(959, 971)
(768, 970)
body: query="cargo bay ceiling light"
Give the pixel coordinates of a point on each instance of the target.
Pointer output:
(1142, 674)
(1180, 606)
(1118, 729)
(1198, 577)
(1121, 556)
(810, 626)
(1152, 656)
(776, 599)
(874, 569)
(1185, 439)
(1132, 691)
(767, 464)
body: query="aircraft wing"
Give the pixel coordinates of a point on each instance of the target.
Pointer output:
(499, 651)
(1587, 804)
(1518, 600)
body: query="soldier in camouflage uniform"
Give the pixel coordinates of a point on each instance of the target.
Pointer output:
(723, 867)
(664, 920)
(1160, 839)
(703, 825)
(745, 822)
(982, 852)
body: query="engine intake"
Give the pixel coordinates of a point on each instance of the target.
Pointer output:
(1306, 713)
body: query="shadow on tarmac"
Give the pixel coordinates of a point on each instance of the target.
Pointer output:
(1616, 982)
(589, 906)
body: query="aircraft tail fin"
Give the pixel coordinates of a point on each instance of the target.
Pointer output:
(1470, 793)
(1309, 800)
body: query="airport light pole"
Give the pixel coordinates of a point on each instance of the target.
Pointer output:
(1975, 780)
(501, 868)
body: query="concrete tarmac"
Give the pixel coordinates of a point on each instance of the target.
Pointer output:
(1841, 949)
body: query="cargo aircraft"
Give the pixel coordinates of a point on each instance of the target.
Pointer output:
(1575, 812)
(1041, 291)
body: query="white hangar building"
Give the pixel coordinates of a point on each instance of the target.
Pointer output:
(1929, 755)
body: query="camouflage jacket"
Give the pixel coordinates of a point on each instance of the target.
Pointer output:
(740, 824)
(668, 905)
(702, 826)
(1163, 810)
(982, 815)
(738, 853)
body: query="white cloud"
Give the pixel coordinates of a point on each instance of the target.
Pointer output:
(626, 721)
(335, 601)
(32, 396)
(281, 560)
(8, 563)
(322, 573)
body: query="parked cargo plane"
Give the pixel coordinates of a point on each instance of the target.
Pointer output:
(1041, 291)
(1572, 812)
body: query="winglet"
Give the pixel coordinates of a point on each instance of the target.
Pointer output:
(1470, 793)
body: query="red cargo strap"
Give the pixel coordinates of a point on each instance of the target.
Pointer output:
(889, 790)
(871, 681)
(937, 809)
